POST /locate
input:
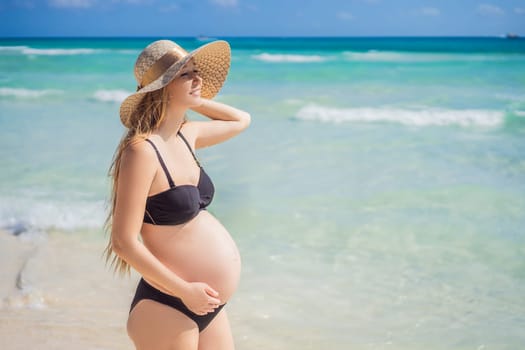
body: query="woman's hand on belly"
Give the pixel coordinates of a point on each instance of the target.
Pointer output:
(200, 298)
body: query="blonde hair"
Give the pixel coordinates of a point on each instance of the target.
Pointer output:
(144, 119)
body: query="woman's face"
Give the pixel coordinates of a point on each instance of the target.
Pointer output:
(185, 88)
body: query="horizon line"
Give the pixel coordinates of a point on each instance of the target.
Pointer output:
(204, 37)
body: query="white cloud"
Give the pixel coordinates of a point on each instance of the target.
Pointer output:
(225, 3)
(519, 11)
(429, 11)
(490, 10)
(135, 2)
(138, 2)
(71, 3)
(346, 16)
(170, 8)
(92, 3)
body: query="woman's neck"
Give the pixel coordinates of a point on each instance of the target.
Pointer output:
(172, 123)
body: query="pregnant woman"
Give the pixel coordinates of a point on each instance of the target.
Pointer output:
(189, 263)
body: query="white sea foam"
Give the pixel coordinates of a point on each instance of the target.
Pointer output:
(27, 93)
(407, 57)
(382, 56)
(111, 95)
(59, 52)
(25, 298)
(31, 51)
(279, 58)
(421, 117)
(13, 48)
(31, 216)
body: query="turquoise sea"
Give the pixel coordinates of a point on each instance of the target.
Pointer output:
(377, 199)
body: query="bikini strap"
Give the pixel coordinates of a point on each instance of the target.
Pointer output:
(170, 180)
(189, 147)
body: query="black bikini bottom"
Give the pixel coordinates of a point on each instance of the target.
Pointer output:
(147, 291)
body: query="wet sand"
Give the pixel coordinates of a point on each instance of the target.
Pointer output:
(56, 293)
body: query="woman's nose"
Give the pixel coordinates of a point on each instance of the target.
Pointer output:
(197, 80)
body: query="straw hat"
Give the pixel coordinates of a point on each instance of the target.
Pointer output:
(161, 60)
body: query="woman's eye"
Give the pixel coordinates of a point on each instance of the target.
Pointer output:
(187, 74)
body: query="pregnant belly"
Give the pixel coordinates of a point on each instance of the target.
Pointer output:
(200, 250)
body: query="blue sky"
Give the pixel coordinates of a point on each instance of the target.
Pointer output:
(261, 18)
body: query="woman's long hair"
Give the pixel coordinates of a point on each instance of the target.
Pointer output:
(144, 119)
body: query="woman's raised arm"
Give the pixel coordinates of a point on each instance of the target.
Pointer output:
(227, 121)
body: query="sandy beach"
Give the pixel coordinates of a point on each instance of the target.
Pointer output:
(52, 298)
(58, 294)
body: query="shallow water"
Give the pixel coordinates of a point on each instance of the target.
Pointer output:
(381, 202)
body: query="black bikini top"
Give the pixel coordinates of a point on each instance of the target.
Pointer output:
(178, 204)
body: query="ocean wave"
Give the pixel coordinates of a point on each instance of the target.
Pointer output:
(410, 57)
(422, 117)
(59, 52)
(111, 95)
(27, 93)
(13, 48)
(30, 216)
(279, 58)
(30, 51)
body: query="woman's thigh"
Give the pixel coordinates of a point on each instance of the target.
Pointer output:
(218, 335)
(152, 325)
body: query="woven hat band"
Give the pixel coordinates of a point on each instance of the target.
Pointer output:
(161, 65)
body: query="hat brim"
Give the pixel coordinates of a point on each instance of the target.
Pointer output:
(212, 60)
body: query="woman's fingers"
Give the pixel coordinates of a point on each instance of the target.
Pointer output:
(214, 301)
(211, 292)
(207, 311)
(211, 307)
(203, 300)
(213, 295)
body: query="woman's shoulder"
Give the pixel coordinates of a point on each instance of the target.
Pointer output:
(139, 150)
(137, 168)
